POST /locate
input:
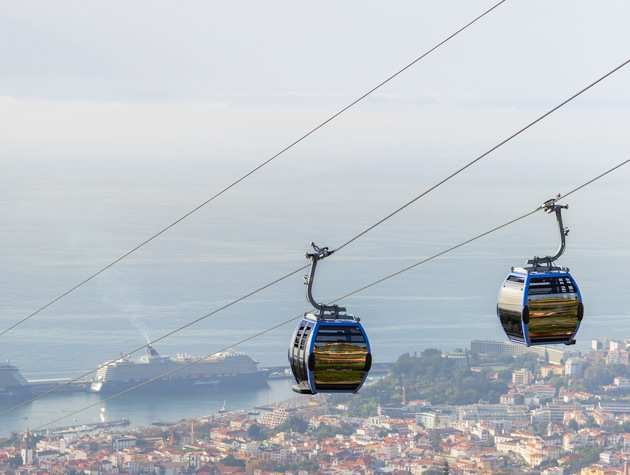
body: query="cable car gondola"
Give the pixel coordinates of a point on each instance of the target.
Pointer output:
(541, 304)
(329, 350)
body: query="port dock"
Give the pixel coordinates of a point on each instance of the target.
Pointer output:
(41, 386)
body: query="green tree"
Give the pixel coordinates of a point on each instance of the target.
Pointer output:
(541, 428)
(311, 466)
(428, 376)
(588, 455)
(590, 422)
(435, 438)
(559, 381)
(202, 430)
(505, 375)
(232, 461)
(294, 424)
(16, 461)
(325, 431)
(596, 376)
(527, 360)
(622, 428)
(8, 441)
(263, 465)
(255, 432)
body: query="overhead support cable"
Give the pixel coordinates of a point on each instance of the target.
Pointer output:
(312, 131)
(122, 357)
(469, 164)
(479, 236)
(167, 374)
(371, 227)
(595, 179)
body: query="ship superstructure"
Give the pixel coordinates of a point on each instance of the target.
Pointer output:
(227, 368)
(12, 383)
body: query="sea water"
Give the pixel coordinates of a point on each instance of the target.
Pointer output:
(396, 321)
(141, 410)
(206, 264)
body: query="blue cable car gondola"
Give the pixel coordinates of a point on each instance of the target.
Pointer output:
(541, 304)
(329, 350)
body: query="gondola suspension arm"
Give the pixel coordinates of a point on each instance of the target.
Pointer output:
(550, 206)
(325, 311)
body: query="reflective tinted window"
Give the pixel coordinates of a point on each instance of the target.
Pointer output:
(553, 307)
(551, 285)
(298, 351)
(510, 306)
(340, 358)
(332, 334)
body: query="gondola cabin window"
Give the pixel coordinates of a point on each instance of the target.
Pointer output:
(553, 309)
(299, 349)
(336, 334)
(340, 358)
(510, 306)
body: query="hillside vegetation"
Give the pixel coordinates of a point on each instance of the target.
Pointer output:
(430, 377)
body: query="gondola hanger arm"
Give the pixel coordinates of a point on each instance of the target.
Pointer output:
(320, 252)
(330, 311)
(551, 206)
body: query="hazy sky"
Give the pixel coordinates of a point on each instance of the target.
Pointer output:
(116, 118)
(157, 79)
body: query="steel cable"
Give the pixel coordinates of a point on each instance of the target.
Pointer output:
(121, 357)
(479, 236)
(254, 170)
(374, 225)
(469, 164)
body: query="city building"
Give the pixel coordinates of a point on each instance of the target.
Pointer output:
(554, 356)
(573, 367)
(436, 418)
(522, 377)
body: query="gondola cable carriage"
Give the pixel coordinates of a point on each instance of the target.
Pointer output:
(541, 304)
(329, 350)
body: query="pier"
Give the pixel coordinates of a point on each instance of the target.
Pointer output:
(41, 386)
(83, 428)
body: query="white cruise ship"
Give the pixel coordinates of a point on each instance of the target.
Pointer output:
(157, 373)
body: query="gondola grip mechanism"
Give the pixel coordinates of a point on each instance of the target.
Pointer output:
(325, 311)
(551, 206)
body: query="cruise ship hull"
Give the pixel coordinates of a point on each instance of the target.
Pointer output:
(183, 385)
(15, 393)
(155, 374)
